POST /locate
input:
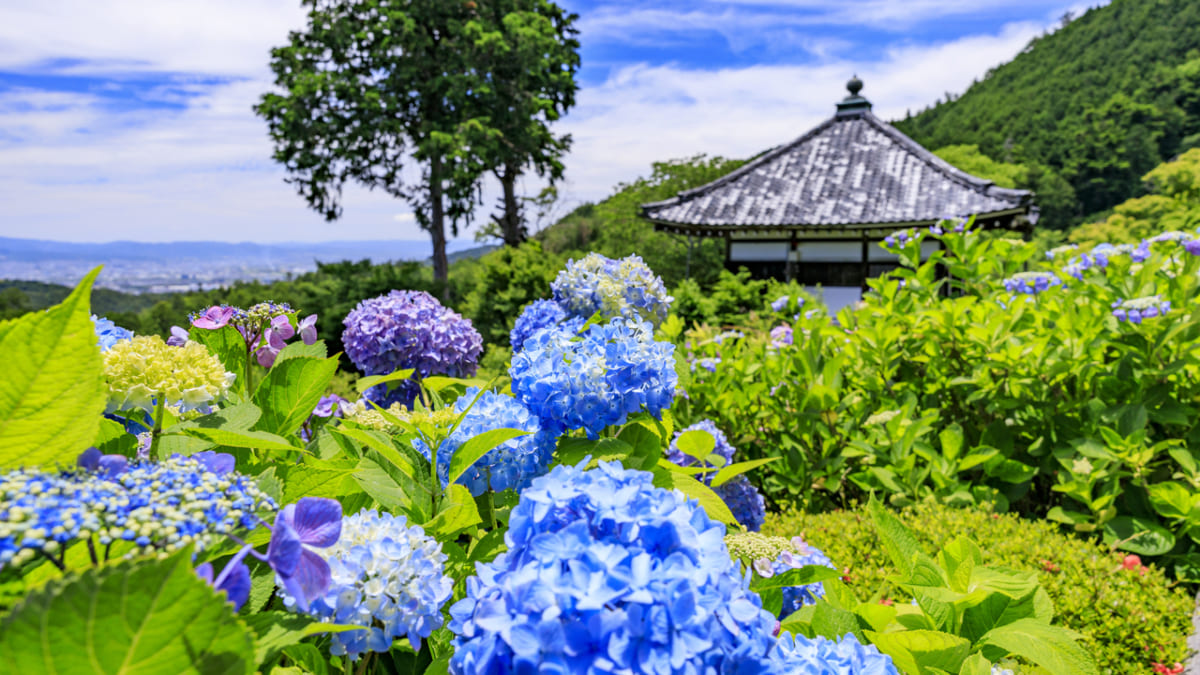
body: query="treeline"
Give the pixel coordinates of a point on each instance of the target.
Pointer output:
(1088, 109)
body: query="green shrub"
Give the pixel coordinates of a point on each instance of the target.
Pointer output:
(505, 281)
(1129, 619)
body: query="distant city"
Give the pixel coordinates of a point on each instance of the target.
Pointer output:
(135, 267)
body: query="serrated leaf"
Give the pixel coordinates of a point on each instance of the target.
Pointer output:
(290, 391)
(801, 576)
(646, 447)
(148, 617)
(52, 392)
(457, 513)
(834, 622)
(710, 501)
(299, 350)
(1050, 647)
(112, 439)
(312, 481)
(572, 451)
(258, 440)
(899, 544)
(697, 444)
(1138, 535)
(917, 651)
(229, 346)
(476, 447)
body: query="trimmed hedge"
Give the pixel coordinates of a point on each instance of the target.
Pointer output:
(1129, 618)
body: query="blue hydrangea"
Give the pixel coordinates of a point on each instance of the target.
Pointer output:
(708, 363)
(780, 303)
(410, 329)
(510, 465)
(594, 379)
(1135, 310)
(1031, 283)
(739, 494)
(799, 655)
(744, 501)
(536, 316)
(606, 573)
(1102, 253)
(625, 287)
(157, 506)
(1060, 251)
(109, 333)
(781, 336)
(386, 576)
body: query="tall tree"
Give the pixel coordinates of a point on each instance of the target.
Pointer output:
(370, 85)
(526, 55)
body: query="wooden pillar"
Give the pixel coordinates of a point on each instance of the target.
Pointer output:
(866, 264)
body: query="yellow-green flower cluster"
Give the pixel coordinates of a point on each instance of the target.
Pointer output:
(368, 416)
(140, 370)
(751, 546)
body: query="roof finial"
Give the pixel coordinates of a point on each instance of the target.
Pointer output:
(855, 85)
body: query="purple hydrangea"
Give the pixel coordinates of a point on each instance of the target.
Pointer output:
(781, 336)
(606, 573)
(594, 379)
(1031, 283)
(410, 329)
(1135, 310)
(780, 303)
(745, 502)
(536, 316)
(721, 445)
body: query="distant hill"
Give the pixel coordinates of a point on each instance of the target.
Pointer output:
(1099, 102)
(396, 249)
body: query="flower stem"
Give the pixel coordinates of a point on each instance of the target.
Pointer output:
(160, 408)
(92, 551)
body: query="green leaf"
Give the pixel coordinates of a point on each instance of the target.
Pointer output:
(916, 651)
(646, 444)
(899, 544)
(304, 480)
(710, 501)
(1138, 535)
(259, 440)
(1171, 499)
(697, 444)
(229, 346)
(834, 622)
(299, 350)
(457, 513)
(308, 658)
(290, 391)
(976, 664)
(277, 630)
(365, 383)
(476, 447)
(114, 440)
(732, 471)
(572, 451)
(52, 392)
(147, 616)
(801, 576)
(952, 441)
(382, 444)
(1050, 647)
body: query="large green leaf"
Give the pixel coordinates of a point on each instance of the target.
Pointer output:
(365, 383)
(697, 444)
(916, 651)
(290, 391)
(114, 440)
(52, 392)
(476, 447)
(229, 346)
(148, 617)
(899, 544)
(259, 440)
(277, 630)
(646, 444)
(456, 512)
(801, 576)
(732, 471)
(1138, 535)
(1050, 647)
(712, 503)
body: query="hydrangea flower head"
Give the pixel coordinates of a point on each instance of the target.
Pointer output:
(143, 368)
(109, 333)
(625, 287)
(800, 554)
(1192, 246)
(1137, 309)
(1171, 235)
(780, 303)
(536, 316)
(781, 336)
(368, 416)
(510, 465)
(745, 502)
(1060, 251)
(385, 576)
(708, 363)
(802, 655)
(410, 329)
(606, 573)
(160, 506)
(1031, 283)
(594, 379)
(899, 238)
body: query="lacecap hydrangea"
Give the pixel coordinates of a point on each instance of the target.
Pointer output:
(594, 379)
(109, 333)
(142, 369)
(164, 506)
(386, 576)
(410, 329)
(537, 315)
(510, 465)
(625, 287)
(605, 573)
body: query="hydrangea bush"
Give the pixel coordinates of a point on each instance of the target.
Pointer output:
(625, 288)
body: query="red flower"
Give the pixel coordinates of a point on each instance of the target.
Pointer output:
(1050, 566)
(887, 601)
(1132, 562)
(1163, 669)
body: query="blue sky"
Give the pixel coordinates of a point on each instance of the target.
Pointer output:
(131, 119)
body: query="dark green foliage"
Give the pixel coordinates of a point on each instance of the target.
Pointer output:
(1100, 102)
(504, 282)
(615, 228)
(1129, 619)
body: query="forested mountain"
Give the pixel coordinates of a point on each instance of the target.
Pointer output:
(1097, 104)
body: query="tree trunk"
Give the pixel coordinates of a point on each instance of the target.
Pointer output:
(437, 228)
(514, 234)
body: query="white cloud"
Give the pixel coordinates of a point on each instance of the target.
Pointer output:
(74, 168)
(644, 114)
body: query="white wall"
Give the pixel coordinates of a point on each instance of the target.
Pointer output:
(750, 251)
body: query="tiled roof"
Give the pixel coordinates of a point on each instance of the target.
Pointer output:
(854, 169)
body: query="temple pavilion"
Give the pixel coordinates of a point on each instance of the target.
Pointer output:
(814, 210)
